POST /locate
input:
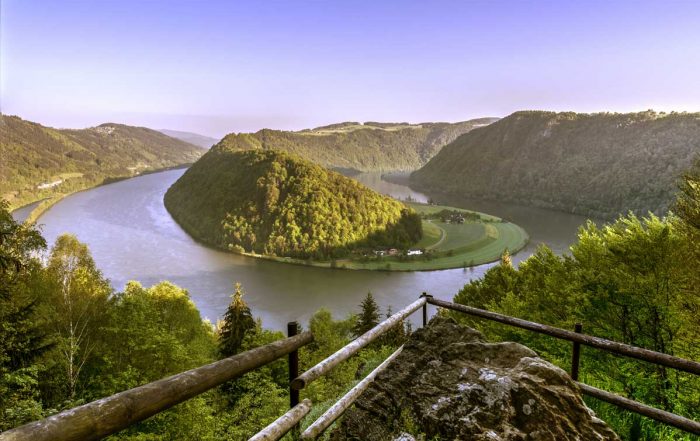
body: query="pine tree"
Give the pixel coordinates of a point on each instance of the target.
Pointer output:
(397, 335)
(369, 316)
(238, 320)
(505, 259)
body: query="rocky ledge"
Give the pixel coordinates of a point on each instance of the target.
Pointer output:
(450, 384)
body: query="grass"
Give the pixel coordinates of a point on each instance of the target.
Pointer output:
(453, 245)
(421, 208)
(460, 235)
(432, 235)
(485, 248)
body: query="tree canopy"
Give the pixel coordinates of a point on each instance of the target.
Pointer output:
(275, 203)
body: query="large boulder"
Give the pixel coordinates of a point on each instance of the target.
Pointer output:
(450, 384)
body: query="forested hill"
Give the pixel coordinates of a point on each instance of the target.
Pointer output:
(276, 203)
(592, 164)
(193, 138)
(371, 146)
(34, 155)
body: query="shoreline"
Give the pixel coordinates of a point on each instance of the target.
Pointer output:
(394, 265)
(45, 203)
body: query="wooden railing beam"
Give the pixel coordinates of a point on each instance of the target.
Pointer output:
(351, 348)
(278, 428)
(340, 406)
(681, 364)
(650, 412)
(106, 416)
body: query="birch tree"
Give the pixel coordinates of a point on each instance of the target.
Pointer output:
(79, 301)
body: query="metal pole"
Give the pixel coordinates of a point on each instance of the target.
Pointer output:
(292, 330)
(576, 354)
(425, 308)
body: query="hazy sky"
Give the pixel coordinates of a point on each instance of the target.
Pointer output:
(215, 67)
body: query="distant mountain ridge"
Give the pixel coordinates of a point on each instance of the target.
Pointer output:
(38, 161)
(596, 165)
(192, 138)
(370, 146)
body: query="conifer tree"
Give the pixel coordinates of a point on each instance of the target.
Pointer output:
(369, 316)
(238, 320)
(505, 259)
(397, 335)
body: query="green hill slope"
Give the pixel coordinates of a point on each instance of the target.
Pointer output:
(276, 203)
(370, 146)
(592, 164)
(37, 162)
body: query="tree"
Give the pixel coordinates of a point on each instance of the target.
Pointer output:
(397, 335)
(505, 258)
(368, 317)
(626, 281)
(238, 320)
(687, 205)
(78, 302)
(23, 339)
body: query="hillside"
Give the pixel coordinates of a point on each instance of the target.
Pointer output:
(40, 162)
(592, 164)
(278, 204)
(365, 147)
(193, 138)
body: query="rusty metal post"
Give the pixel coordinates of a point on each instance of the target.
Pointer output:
(292, 330)
(576, 354)
(425, 309)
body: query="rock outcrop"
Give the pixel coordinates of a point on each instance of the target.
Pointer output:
(450, 384)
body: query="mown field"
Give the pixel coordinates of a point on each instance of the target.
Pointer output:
(451, 245)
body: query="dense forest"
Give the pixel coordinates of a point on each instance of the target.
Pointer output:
(370, 146)
(278, 204)
(635, 280)
(597, 165)
(32, 155)
(67, 338)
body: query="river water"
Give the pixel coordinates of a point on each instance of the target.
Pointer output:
(132, 237)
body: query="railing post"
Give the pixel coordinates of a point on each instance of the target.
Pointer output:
(292, 330)
(425, 309)
(576, 354)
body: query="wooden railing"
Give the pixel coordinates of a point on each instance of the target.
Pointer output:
(109, 415)
(614, 347)
(104, 417)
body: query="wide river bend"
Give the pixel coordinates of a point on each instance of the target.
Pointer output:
(132, 237)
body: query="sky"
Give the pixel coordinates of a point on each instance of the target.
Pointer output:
(215, 67)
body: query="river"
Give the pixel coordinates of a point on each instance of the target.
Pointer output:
(132, 237)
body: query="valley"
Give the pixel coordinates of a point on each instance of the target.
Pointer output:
(133, 237)
(45, 164)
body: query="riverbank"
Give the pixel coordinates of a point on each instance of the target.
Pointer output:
(132, 237)
(470, 239)
(45, 202)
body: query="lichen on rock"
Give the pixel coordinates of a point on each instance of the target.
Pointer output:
(451, 384)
